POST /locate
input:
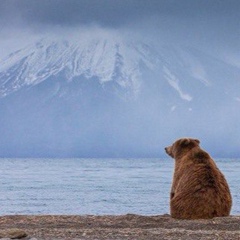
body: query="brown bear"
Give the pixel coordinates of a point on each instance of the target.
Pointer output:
(199, 189)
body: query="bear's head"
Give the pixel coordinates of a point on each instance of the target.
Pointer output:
(181, 147)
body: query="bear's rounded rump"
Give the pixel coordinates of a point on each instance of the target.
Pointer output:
(199, 189)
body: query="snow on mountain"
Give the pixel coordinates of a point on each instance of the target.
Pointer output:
(105, 59)
(174, 82)
(116, 60)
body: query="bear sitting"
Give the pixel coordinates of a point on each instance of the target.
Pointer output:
(199, 189)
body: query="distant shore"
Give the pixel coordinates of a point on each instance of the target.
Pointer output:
(128, 226)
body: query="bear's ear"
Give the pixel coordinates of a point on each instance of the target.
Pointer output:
(185, 142)
(197, 141)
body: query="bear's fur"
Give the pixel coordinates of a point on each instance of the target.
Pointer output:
(199, 189)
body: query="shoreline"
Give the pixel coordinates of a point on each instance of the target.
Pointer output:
(119, 227)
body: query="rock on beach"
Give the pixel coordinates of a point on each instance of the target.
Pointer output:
(12, 233)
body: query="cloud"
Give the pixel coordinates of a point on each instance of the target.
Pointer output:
(115, 13)
(106, 13)
(213, 25)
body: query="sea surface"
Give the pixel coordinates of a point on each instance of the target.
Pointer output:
(95, 186)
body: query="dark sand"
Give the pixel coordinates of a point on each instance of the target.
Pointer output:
(118, 227)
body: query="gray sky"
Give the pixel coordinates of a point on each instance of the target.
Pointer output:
(116, 13)
(212, 24)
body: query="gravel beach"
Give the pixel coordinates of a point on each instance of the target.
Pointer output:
(128, 226)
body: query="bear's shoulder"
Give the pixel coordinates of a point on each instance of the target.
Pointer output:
(200, 156)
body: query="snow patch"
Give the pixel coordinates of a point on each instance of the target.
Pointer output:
(174, 82)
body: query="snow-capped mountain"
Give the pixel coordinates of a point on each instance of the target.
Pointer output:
(112, 97)
(113, 60)
(105, 59)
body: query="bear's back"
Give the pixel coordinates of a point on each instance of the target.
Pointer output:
(201, 188)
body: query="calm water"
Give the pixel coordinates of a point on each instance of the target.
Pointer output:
(95, 186)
